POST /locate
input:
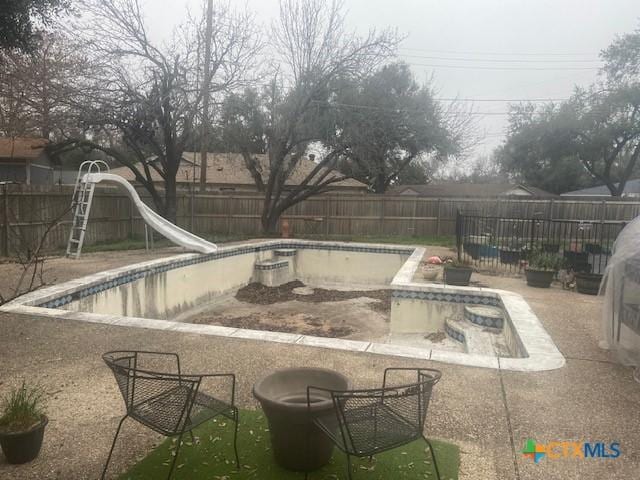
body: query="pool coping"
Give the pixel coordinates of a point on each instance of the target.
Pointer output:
(541, 353)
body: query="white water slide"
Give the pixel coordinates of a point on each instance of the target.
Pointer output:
(82, 204)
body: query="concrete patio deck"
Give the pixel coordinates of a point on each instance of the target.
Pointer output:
(489, 413)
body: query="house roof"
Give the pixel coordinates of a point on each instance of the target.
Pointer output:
(22, 147)
(470, 190)
(632, 187)
(229, 169)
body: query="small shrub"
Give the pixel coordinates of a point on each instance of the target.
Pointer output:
(540, 260)
(22, 408)
(457, 264)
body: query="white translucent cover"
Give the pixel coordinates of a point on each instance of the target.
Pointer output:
(619, 289)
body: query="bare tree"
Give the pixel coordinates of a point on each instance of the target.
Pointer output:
(37, 89)
(228, 46)
(314, 48)
(145, 98)
(29, 253)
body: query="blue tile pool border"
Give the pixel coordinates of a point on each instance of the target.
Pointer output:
(539, 351)
(222, 253)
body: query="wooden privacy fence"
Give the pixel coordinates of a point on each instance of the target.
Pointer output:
(27, 211)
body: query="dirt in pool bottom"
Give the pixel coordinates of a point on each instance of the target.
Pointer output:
(295, 308)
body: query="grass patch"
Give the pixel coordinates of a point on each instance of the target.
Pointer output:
(211, 458)
(137, 243)
(432, 240)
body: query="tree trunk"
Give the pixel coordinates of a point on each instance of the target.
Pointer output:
(204, 131)
(170, 199)
(380, 184)
(270, 222)
(615, 191)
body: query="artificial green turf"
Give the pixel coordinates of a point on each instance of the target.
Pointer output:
(211, 458)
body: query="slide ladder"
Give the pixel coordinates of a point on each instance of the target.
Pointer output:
(81, 205)
(89, 176)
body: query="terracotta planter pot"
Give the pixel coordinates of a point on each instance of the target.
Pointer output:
(539, 278)
(457, 276)
(22, 447)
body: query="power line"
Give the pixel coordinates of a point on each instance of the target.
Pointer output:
(510, 54)
(499, 60)
(592, 113)
(453, 99)
(484, 67)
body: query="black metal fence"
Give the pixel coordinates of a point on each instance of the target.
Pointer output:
(488, 241)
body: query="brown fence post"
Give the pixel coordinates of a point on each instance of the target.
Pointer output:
(5, 247)
(131, 225)
(327, 211)
(382, 216)
(438, 219)
(415, 220)
(228, 218)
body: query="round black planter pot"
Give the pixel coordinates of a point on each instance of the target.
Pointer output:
(22, 447)
(457, 276)
(297, 443)
(539, 278)
(588, 283)
(550, 247)
(578, 261)
(473, 249)
(510, 257)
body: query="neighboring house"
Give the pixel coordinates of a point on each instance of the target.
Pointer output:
(24, 160)
(631, 190)
(226, 172)
(474, 190)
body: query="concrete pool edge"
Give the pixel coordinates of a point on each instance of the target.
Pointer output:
(541, 352)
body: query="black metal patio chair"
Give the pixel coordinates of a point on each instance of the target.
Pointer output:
(170, 403)
(366, 422)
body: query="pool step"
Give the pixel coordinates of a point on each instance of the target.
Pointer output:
(284, 252)
(272, 272)
(484, 316)
(476, 339)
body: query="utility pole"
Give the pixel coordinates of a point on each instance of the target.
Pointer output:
(204, 128)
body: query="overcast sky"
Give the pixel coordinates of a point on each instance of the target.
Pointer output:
(509, 49)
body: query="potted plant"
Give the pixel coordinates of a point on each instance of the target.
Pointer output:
(473, 249)
(489, 251)
(577, 261)
(22, 423)
(430, 272)
(511, 254)
(593, 248)
(457, 273)
(542, 268)
(588, 283)
(550, 247)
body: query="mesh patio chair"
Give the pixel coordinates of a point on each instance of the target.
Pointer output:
(169, 403)
(366, 422)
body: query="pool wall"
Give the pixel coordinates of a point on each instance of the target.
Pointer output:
(165, 293)
(144, 295)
